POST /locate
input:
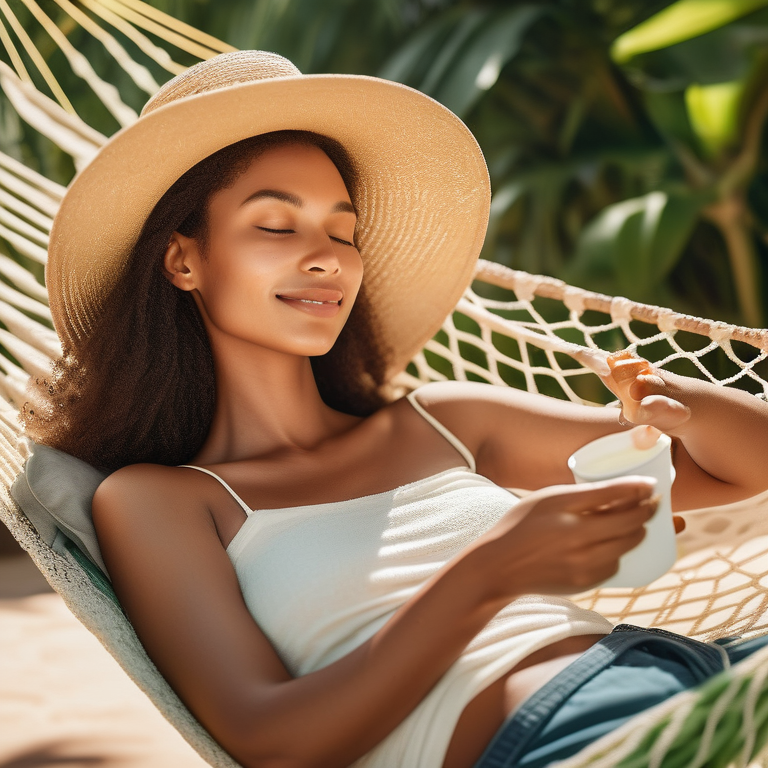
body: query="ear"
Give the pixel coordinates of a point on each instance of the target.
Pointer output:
(179, 256)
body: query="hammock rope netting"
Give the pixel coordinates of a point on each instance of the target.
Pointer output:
(510, 329)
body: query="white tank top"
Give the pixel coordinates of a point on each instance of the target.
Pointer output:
(320, 580)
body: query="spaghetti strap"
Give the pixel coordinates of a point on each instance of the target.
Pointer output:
(245, 507)
(444, 431)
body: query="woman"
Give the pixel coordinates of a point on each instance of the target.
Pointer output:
(250, 300)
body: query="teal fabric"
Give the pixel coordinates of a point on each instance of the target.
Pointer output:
(623, 674)
(95, 575)
(636, 682)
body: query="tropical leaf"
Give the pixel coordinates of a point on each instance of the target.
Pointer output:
(669, 114)
(460, 55)
(477, 67)
(637, 242)
(681, 21)
(412, 60)
(453, 49)
(714, 113)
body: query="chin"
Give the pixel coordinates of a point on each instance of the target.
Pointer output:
(312, 350)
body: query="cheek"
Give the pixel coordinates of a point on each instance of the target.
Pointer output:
(235, 296)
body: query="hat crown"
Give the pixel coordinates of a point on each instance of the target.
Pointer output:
(221, 71)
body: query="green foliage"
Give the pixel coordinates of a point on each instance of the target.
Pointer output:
(625, 138)
(681, 21)
(459, 56)
(636, 243)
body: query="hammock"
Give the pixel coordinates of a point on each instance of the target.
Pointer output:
(509, 329)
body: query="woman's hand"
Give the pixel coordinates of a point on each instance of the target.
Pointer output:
(645, 396)
(567, 538)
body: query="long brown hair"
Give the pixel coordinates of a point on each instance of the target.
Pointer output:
(141, 387)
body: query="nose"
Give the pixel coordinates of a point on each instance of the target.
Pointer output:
(322, 256)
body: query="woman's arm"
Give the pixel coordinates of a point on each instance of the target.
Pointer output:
(181, 594)
(523, 440)
(722, 433)
(519, 439)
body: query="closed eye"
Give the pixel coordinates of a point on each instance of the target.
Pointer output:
(277, 231)
(343, 242)
(292, 231)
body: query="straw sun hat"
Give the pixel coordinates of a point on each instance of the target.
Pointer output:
(422, 201)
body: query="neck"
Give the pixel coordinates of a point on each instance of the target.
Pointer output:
(266, 401)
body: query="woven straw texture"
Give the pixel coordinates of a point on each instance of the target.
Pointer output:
(417, 257)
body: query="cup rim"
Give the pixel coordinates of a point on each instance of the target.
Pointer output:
(599, 446)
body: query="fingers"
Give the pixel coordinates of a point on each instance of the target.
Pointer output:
(629, 369)
(646, 384)
(644, 396)
(622, 354)
(663, 412)
(619, 522)
(604, 494)
(610, 551)
(626, 371)
(644, 437)
(597, 561)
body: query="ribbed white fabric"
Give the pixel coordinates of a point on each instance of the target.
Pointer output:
(322, 579)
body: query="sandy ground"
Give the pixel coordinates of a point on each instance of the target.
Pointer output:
(63, 700)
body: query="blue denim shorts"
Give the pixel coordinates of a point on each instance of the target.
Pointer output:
(623, 674)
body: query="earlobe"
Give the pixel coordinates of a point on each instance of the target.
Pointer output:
(175, 262)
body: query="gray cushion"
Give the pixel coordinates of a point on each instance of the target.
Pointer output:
(55, 491)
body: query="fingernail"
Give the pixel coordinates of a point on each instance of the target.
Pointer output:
(645, 437)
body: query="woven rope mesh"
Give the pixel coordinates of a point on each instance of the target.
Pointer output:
(511, 329)
(491, 338)
(28, 203)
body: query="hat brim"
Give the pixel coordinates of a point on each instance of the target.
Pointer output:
(423, 197)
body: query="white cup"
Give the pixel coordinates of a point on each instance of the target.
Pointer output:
(616, 456)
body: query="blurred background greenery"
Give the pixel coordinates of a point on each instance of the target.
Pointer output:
(625, 138)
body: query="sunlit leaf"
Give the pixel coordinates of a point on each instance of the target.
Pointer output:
(680, 21)
(713, 111)
(502, 202)
(477, 66)
(637, 242)
(413, 58)
(451, 49)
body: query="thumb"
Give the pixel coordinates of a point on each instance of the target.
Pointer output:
(662, 412)
(644, 437)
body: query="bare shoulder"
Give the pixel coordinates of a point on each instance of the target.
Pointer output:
(467, 406)
(470, 400)
(139, 485)
(519, 439)
(147, 498)
(180, 591)
(467, 393)
(145, 511)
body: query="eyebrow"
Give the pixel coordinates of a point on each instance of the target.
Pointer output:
(286, 197)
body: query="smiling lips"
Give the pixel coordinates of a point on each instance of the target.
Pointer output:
(321, 302)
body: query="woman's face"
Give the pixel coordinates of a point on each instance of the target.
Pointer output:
(280, 269)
